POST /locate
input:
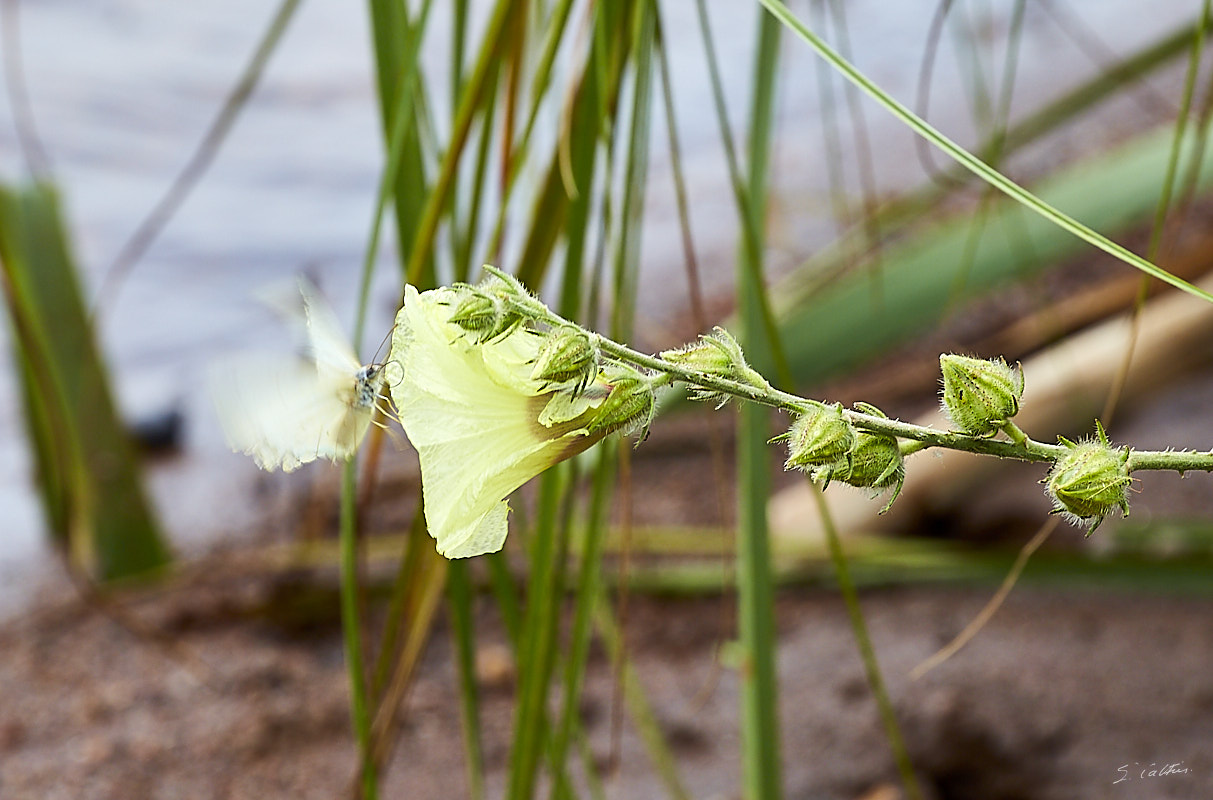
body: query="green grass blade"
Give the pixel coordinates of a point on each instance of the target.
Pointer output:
(968, 44)
(459, 37)
(837, 326)
(401, 138)
(200, 160)
(1108, 83)
(760, 733)
(971, 162)
(538, 642)
(574, 216)
(408, 573)
(587, 596)
(639, 708)
(883, 562)
(1181, 122)
(866, 652)
(896, 215)
(506, 595)
(750, 206)
(396, 110)
(351, 629)
(996, 135)
(475, 96)
(464, 235)
(423, 601)
(831, 133)
(463, 635)
(90, 483)
(593, 782)
(627, 248)
(389, 27)
(1161, 211)
(869, 222)
(562, 205)
(540, 86)
(694, 283)
(558, 17)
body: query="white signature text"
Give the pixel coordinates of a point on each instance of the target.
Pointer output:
(1155, 770)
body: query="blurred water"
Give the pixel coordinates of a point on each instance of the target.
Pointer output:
(123, 89)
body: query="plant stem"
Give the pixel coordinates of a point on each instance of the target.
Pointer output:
(352, 629)
(1020, 447)
(1180, 461)
(1014, 433)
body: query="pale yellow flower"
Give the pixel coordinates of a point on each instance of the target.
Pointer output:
(481, 425)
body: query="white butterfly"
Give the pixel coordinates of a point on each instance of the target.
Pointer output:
(288, 412)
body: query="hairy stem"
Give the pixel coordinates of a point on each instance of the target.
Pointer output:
(1019, 446)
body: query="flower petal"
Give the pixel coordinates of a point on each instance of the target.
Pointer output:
(472, 412)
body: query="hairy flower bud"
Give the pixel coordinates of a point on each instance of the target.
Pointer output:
(567, 354)
(818, 437)
(707, 355)
(476, 311)
(717, 354)
(875, 462)
(980, 396)
(629, 407)
(483, 313)
(1090, 480)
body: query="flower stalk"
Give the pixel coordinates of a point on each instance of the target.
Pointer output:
(497, 364)
(1027, 449)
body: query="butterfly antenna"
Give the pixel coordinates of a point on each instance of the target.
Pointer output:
(383, 367)
(384, 341)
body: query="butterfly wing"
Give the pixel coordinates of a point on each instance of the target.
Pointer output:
(285, 413)
(288, 412)
(327, 344)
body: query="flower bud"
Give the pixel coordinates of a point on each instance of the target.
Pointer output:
(875, 462)
(717, 354)
(503, 284)
(980, 396)
(1090, 480)
(707, 355)
(567, 354)
(476, 311)
(485, 310)
(818, 437)
(629, 407)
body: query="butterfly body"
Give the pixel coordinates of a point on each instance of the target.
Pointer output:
(367, 382)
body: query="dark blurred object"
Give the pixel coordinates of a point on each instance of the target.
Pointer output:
(160, 434)
(87, 467)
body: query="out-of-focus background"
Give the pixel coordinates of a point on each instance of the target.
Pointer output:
(877, 257)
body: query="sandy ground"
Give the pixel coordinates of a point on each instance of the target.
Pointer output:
(1062, 695)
